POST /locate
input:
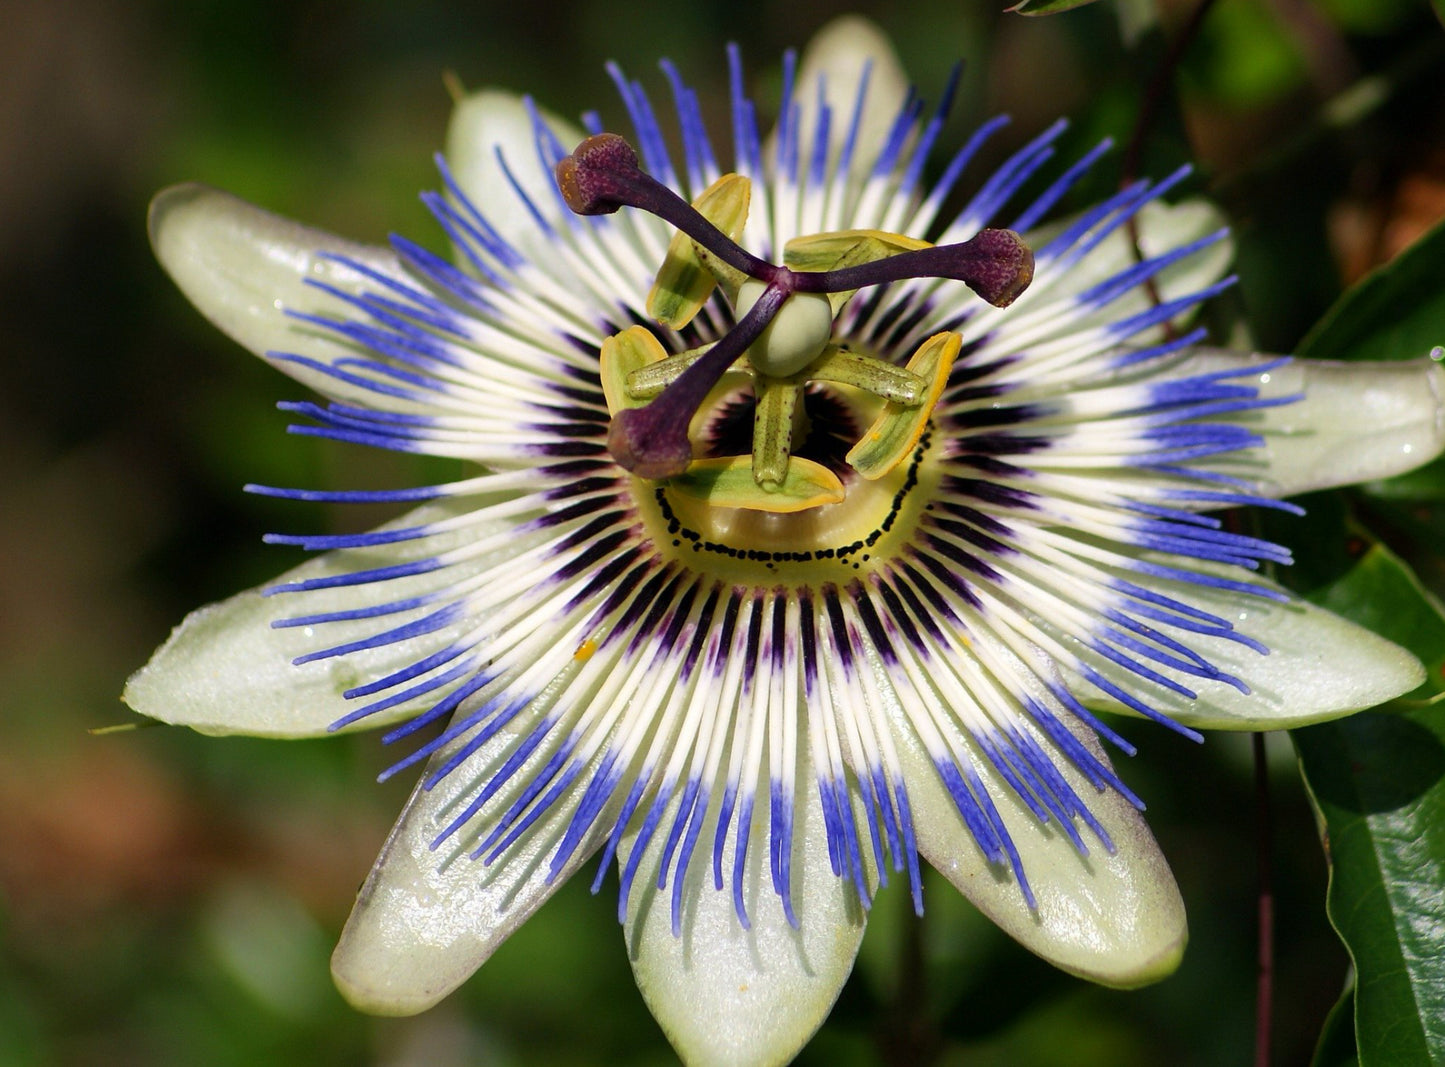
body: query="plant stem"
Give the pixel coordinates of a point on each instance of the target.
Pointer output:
(909, 1036)
(1264, 984)
(1144, 125)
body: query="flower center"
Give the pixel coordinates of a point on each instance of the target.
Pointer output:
(782, 337)
(831, 541)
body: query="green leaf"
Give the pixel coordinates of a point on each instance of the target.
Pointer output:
(1440, 9)
(1336, 1047)
(1396, 312)
(1378, 782)
(1382, 594)
(1046, 7)
(1422, 483)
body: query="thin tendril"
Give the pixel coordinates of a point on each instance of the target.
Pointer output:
(1144, 125)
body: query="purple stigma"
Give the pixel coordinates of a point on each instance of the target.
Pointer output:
(602, 175)
(652, 441)
(995, 264)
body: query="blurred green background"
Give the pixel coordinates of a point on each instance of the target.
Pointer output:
(171, 899)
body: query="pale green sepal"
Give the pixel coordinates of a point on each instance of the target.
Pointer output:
(1356, 422)
(729, 996)
(821, 252)
(226, 670)
(728, 483)
(490, 120)
(688, 275)
(425, 920)
(1114, 919)
(1163, 228)
(622, 355)
(1319, 666)
(838, 55)
(245, 268)
(899, 427)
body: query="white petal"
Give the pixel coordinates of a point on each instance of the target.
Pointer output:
(1114, 919)
(1162, 228)
(226, 670)
(491, 121)
(1319, 667)
(725, 995)
(244, 268)
(838, 53)
(426, 920)
(1357, 421)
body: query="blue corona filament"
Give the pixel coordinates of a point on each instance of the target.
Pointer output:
(590, 664)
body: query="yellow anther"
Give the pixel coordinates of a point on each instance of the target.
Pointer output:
(896, 431)
(689, 272)
(845, 248)
(621, 355)
(877, 376)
